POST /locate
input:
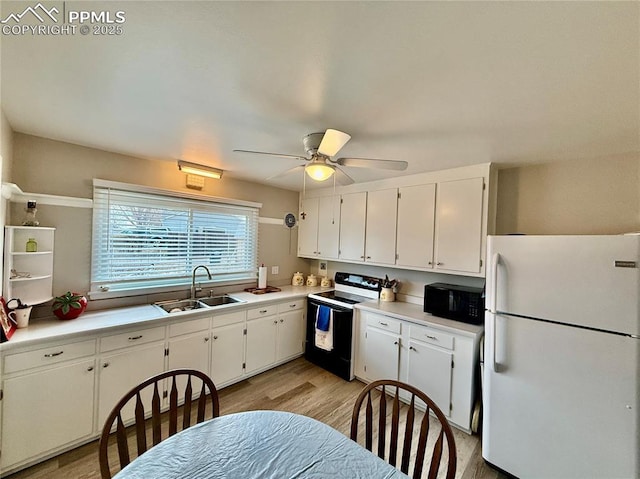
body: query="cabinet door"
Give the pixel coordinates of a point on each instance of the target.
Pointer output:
(429, 369)
(308, 228)
(261, 343)
(380, 238)
(353, 214)
(291, 333)
(191, 352)
(459, 225)
(383, 355)
(122, 371)
(328, 227)
(416, 217)
(46, 410)
(227, 353)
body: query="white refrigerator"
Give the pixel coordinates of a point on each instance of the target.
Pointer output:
(562, 356)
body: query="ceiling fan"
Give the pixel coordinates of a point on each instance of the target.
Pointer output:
(321, 148)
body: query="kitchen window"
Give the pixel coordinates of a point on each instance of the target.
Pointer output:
(149, 240)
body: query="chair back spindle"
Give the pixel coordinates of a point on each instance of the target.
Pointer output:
(207, 407)
(441, 439)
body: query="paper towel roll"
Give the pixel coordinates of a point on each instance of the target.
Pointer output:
(262, 277)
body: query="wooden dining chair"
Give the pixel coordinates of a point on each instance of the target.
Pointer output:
(206, 406)
(434, 431)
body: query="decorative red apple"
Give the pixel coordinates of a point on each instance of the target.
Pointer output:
(69, 305)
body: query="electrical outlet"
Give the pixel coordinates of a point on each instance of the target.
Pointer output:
(275, 269)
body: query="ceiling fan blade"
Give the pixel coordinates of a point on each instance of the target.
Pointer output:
(343, 178)
(286, 172)
(281, 155)
(397, 165)
(332, 142)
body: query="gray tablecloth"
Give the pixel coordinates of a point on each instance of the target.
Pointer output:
(259, 444)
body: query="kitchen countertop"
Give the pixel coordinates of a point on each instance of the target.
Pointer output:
(415, 314)
(104, 321)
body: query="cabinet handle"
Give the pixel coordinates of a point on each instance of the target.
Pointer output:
(431, 337)
(52, 355)
(105, 365)
(282, 320)
(395, 342)
(319, 252)
(292, 305)
(135, 338)
(383, 324)
(412, 348)
(361, 257)
(215, 337)
(368, 257)
(439, 263)
(275, 322)
(206, 339)
(262, 311)
(430, 263)
(90, 368)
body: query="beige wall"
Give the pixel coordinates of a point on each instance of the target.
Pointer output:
(52, 167)
(571, 197)
(600, 196)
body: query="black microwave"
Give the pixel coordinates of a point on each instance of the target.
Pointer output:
(462, 303)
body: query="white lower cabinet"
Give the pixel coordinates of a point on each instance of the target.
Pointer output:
(382, 347)
(439, 362)
(188, 347)
(291, 329)
(48, 397)
(120, 371)
(56, 397)
(430, 369)
(227, 348)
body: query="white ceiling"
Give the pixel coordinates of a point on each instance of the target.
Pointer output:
(438, 84)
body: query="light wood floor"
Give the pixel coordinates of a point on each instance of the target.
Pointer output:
(298, 387)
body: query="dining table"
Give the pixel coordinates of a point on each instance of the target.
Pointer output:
(259, 444)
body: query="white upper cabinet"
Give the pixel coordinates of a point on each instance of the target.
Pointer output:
(318, 231)
(416, 221)
(308, 227)
(353, 216)
(436, 221)
(380, 231)
(458, 245)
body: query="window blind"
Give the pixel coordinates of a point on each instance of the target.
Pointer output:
(147, 240)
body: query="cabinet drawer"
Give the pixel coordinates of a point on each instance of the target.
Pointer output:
(131, 338)
(384, 322)
(431, 336)
(47, 356)
(262, 311)
(292, 305)
(187, 327)
(229, 318)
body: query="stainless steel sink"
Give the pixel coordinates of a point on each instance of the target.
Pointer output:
(179, 305)
(213, 301)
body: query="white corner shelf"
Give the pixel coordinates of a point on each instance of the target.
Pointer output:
(37, 288)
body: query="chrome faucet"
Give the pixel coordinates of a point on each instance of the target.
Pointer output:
(194, 290)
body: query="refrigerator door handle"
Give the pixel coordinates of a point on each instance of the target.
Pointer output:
(494, 363)
(495, 261)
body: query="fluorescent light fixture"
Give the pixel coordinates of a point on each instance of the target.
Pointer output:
(319, 170)
(200, 170)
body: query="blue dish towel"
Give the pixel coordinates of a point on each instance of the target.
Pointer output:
(322, 319)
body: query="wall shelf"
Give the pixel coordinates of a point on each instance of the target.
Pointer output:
(38, 287)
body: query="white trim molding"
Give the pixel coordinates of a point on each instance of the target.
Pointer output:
(13, 193)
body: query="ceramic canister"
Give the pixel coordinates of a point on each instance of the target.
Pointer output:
(297, 280)
(312, 280)
(325, 282)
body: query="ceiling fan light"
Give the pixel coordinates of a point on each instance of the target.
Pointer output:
(319, 171)
(200, 170)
